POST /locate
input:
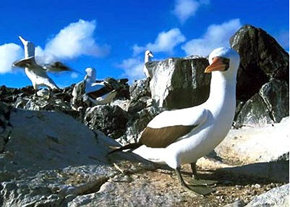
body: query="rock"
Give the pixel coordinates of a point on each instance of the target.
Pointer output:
(263, 78)
(238, 203)
(51, 158)
(275, 197)
(253, 113)
(275, 94)
(111, 120)
(179, 83)
(267, 106)
(10, 95)
(140, 88)
(136, 193)
(5, 126)
(257, 152)
(137, 122)
(259, 144)
(121, 86)
(262, 59)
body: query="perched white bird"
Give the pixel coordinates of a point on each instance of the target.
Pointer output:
(35, 72)
(183, 136)
(147, 58)
(98, 92)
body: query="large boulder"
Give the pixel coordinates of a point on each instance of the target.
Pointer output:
(267, 106)
(276, 197)
(111, 120)
(5, 126)
(263, 77)
(262, 59)
(178, 82)
(50, 159)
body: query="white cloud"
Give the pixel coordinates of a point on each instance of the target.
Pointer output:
(8, 54)
(73, 41)
(217, 35)
(74, 75)
(185, 9)
(165, 42)
(133, 68)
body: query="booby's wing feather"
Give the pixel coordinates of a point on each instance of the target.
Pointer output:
(26, 62)
(185, 117)
(162, 137)
(56, 67)
(173, 129)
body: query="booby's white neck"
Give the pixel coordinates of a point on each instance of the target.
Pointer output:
(29, 50)
(147, 58)
(222, 97)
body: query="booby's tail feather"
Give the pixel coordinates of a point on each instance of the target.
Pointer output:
(128, 146)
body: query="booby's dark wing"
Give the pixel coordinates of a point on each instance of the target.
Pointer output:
(162, 137)
(26, 62)
(56, 67)
(167, 127)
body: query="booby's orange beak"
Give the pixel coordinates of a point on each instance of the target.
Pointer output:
(217, 64)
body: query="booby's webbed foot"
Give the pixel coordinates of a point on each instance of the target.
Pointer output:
(196, 180)
(203, 182)
(197, 188)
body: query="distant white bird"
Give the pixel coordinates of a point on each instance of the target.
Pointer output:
(35, 72)
(183, 136)
(147, 58)
(98, 92)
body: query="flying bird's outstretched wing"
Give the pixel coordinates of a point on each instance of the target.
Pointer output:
(56, 67)
(26, 62)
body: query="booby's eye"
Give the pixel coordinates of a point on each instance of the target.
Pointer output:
(226, 61)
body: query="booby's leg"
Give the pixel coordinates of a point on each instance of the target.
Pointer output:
(196, 180)
(199, 189)
(35, 86)
(194, 171)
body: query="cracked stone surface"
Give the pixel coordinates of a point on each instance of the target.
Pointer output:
(51, 158)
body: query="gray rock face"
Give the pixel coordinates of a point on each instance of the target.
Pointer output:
(138, 121)
(50, 159)
(275, 197)
(262, 59)
(5, 126)
(111, 120)
(263, 77)
(267, 106)
(179, 83)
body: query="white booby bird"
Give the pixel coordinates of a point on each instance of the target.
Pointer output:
(147, 58)
(35, 72)
(98, 92)
(183, 136)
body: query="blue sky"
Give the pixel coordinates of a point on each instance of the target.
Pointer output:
(112, 35)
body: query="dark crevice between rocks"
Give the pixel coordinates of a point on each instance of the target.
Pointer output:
(5, 125)
(85, 189)
(93, 186)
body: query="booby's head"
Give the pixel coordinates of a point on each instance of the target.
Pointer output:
(225, 60)
(29, 48)
(91, 74)
(148, 53)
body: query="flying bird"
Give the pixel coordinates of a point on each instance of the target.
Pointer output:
(98, 92)
(183, 136)
(35, 72)
(147, 58)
